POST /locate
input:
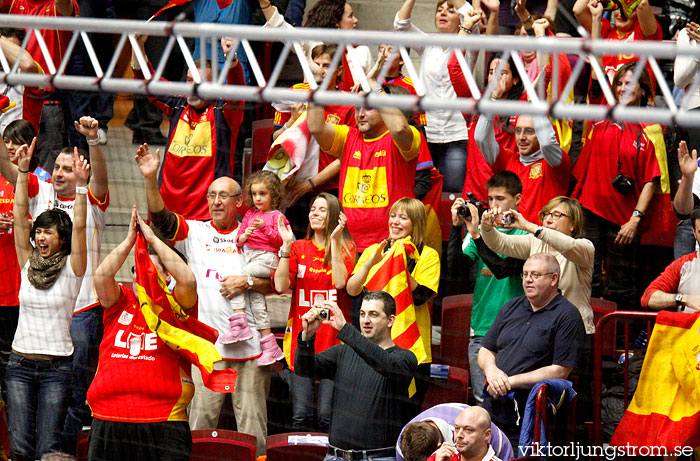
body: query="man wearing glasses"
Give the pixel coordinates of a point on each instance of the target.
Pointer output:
(534, 337)
(542, 165)
(216, 262)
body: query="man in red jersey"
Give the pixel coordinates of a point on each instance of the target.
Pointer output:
(201, 142)
(140, 394)
(377, 165)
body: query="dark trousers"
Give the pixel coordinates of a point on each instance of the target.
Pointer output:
(451, 160)
(9, 315)
(117, 441)
(620, 263)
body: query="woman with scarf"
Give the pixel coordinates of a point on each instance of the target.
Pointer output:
(53, 256)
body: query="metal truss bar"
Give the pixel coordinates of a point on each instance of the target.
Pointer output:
(266, 90)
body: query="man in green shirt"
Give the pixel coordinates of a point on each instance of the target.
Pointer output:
(497, 277)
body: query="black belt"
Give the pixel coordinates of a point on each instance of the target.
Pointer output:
(362, 454)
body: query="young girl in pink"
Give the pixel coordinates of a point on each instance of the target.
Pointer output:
(260, 238)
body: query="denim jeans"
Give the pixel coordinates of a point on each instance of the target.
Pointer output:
(37, 393)
(86, 332)
(684, 242)
(302, 392)
(477, 377)
(451, 160)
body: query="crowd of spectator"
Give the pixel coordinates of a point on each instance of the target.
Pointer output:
(549, 213)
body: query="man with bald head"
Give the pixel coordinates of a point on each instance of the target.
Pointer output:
(216, 262)
(471, 438)
(535, 337)
(538, 159)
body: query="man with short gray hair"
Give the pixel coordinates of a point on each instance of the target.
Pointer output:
(534, 337)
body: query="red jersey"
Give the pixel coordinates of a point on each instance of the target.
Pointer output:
(478, 169)
(541, 182)
(336, 115)
(140, 379)
(56, 41)
(613, 62)
(597, 166)
(374, 173)
(9, 273)
(201, 148)
(311, 282)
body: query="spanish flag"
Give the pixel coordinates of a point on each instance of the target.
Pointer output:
(391, 275)
(431, 202)
(665, 409)
(183, 333)
(221, 3)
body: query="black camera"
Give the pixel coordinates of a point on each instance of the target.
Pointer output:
(623, 184)
(463, 210)
(324, 314)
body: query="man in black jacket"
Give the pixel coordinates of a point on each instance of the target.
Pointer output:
(371, 377)
(497, 277)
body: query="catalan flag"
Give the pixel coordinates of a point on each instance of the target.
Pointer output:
(391, 275)
(221, 3)
(665, 409)
(183, 333)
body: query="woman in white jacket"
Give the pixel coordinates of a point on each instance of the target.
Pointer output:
(446, 131)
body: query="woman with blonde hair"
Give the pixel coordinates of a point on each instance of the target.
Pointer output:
(407, 218)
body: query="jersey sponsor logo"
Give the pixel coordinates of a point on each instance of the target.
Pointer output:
(357, 154)
(63, 206)
(535, 171)
(230, 249)
(136, 343)
(381, 153)
(486, 272)
(366, 188)
(125, 318)
(301, 271)
(191, 140)
(223, 240)
(309, 298)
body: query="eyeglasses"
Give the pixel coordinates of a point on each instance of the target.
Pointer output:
(525, 131)
(534, 275)
(222, 195)
(556, 215)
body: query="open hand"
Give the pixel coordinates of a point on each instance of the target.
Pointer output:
(81, 168)
(147, 162)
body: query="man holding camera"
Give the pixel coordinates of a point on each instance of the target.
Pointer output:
(497, 277)
(371, 377)
(540, 163)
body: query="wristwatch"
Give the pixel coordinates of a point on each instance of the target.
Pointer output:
(250, 282)
(538, 231)
(637, 214)
(679, 300)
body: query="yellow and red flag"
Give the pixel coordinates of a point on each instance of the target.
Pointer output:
(431, 202)
(183, 333)
(665, 409)
(391, 275)
(221, 3)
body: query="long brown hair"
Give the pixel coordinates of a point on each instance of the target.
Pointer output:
(333, 209)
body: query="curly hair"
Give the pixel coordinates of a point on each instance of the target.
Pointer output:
(326, 14)
(271, 182)
(58, 219)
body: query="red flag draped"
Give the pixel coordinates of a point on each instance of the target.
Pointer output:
(183, 333)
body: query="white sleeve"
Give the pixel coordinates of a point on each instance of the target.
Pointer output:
(685, 67)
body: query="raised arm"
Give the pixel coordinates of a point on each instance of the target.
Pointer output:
(87, 126)
(148, 164)
(399, 128)
(267, 8)
(64, 7)
(485, 138)
(20, 209)
(106, 287)
(358, 279)
(78, 254)
(583, 15)
(322, 131)
(549, 145)
(683, 201)
(338, 267)
(406, 10)
(647, 21)
(281, 279)
(13, 52)
(185, 290)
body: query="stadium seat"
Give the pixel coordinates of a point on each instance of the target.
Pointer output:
(453, 389)
(260, 146)
(83, 445)
(222, 445)
(279, 448)
(600, 308)
(456, 318)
